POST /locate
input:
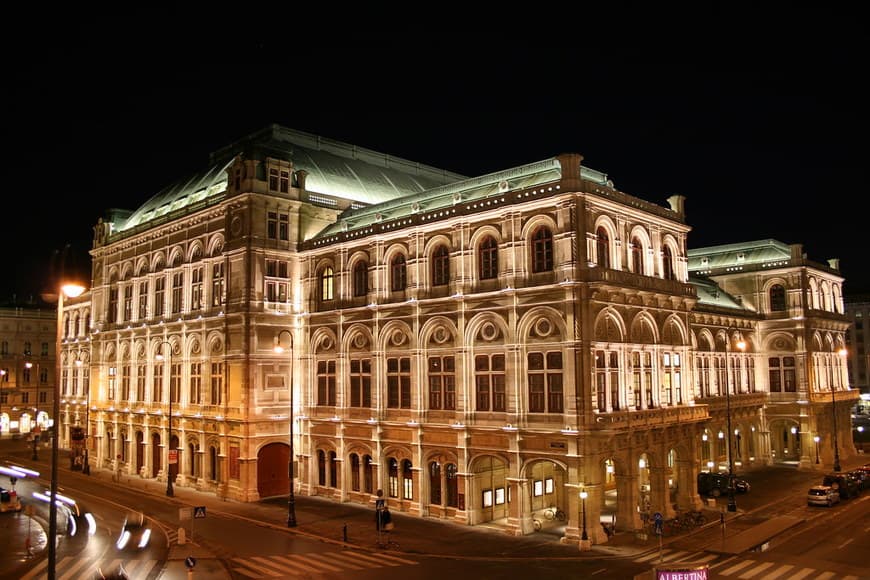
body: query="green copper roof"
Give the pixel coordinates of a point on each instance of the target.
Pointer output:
(334, 168)
(766, 253)
(710, 294)
(464, 191)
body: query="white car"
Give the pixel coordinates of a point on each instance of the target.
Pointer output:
(823, 495)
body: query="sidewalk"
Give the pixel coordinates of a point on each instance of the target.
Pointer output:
(352, 525)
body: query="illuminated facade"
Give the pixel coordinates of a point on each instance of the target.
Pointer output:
(27, 369)
(482, 349)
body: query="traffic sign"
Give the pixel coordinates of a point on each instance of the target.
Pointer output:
(199, 512)
(173, 456)
(190, 561)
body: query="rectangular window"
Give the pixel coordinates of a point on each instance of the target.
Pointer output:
(157, 383)
(195, 384)
(159, 293)
(273, 179)
(196, 289)
(285, 182)
(128, 302)
(283, 226)
(272, 225)
(126, 393)
(143, 300)
(217, 284)
(326, 383)
(217, 383)
(361, 382)
(140, 383)
(112, 383)
(45, 347)
(490, 382)
(112, 314)
(175, 382)
(442, 383)
(177, 291)
(235, 468)
(399, 383)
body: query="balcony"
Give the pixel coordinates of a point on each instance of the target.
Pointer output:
(648, 418)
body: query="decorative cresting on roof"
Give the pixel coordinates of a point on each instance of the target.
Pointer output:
(333, 168)
(477, 192)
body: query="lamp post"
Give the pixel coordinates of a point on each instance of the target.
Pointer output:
(71, 290)
(732, 501)
(2, 380)
(291, 500)
(35, 457)
(584, 538)
(169, 491)
(842, 352)
(816, 439)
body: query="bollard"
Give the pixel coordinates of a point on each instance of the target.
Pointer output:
(344, 533)
(182, 536)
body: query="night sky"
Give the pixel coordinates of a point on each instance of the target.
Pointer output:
(765, 139)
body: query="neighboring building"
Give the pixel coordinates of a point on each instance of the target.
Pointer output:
(27, 369)
(858, 341)
(481, 348)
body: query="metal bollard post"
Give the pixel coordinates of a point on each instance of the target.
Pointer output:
(344, 532)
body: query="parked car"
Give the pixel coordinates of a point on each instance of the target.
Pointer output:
(9, 501)
(823, 495)
(846, 486)
(861, 478)
(716, 484)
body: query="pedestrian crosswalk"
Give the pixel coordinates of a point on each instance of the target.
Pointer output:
(732, 566)
(71, 568)
(291, 565)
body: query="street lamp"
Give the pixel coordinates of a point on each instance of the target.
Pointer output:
(169, 491)
(583, 496)
(2, 380)
(816, 439)
(72, 290)
(732, 501)
(291, 500)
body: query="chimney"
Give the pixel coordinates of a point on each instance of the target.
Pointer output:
(570, 163)
(797, 251)
(678, 204)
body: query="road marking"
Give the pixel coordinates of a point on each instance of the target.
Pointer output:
(778, 572)
(723, 562)
(253, 566)
(300, 560)
(825, 576)
(397, 559)
(757, 570)
(846, 543)
(675, 556)
(71, 566)
(348, 560)
(803, 573)
(737, 567)
(598, 571)
(32, 573)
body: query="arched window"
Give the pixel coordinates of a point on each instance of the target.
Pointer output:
(452, 485)
(327, 284)
(407, 480)
(667, 264)
(212, 463)
(488, 258)
(360, 279)
(777, 298)
(368, 474)
(398, 274)
(393, 474)
(636, 256)
(435, 483)
(354, 471)
(321, 467)
(441, 266)
(333, 470)
(542, 250)
(603, 244)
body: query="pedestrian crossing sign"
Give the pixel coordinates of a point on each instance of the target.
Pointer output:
(199, 511)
